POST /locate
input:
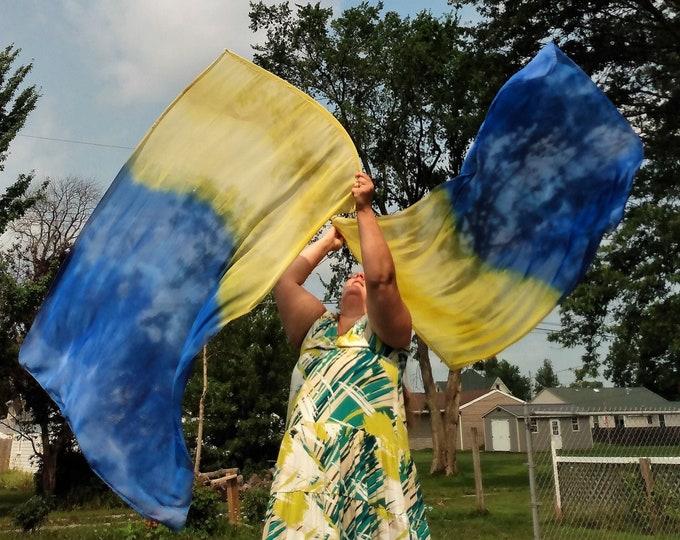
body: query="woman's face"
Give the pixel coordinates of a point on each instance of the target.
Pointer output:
(355, 285)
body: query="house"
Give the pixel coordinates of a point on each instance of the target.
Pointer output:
(472, 415)
(473, 403)
(634, 416)
(616, 407)
(505, 428)
(20, 452)
(5, 451)
(576, 418)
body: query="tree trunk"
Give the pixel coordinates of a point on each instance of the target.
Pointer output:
(48, 479)
(438, 433)
(452, 420)
(201, 411)
(49, 454)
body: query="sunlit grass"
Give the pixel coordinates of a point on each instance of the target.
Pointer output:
(506, 512)
(451, 501)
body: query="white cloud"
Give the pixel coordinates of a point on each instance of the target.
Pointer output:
(147, 50)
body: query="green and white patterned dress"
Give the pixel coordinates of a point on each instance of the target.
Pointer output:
(344, 469)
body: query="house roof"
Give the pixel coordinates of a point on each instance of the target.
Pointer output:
(471, 379)
(604, 398)
(417, 402)
(553, 410)
(587, 409)
(516, 400)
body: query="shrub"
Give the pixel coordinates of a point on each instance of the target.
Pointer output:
(206, 513)
(32, 514)
(254, 504)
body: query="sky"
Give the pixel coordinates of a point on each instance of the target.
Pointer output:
(107, 69)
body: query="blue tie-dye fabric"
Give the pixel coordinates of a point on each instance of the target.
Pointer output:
(552, 153)
(132, 323)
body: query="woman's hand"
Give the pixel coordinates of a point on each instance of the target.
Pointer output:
(362, 190)
(332, 239)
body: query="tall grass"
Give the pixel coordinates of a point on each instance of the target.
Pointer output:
(16, 481)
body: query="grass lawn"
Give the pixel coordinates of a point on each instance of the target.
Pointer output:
(452, 501)
(507, 501)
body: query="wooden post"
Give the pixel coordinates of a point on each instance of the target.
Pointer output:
(646, 471)
(476, 463)
(233, 501)
(229, 482)
(201, 409)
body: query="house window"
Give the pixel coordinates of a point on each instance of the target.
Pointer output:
(650, 420)
(619, 421)
(574, 423)
(555, 426)
(596, 421)
(662, 420)
(533, 425)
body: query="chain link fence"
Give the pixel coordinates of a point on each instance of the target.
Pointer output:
(606, 474)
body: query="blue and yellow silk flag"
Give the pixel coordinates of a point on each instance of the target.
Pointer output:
(235, 178)
(216, 201)
(487, 255)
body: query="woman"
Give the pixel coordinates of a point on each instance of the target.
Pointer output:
(344, 469)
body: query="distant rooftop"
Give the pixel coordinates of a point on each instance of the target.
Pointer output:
(604, 398)
(471, 380)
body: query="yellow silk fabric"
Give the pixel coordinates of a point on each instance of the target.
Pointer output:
(267, 157)
(464, 310)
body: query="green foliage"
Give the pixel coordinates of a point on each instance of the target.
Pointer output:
(77, 486)
(16, 103)
(545, 377)
(206, 513)
(254, 505)
(32, 514)
(580, 383)
(205, 519)
(406, 90)
(518, 384)
(41, 239)
(249, 367)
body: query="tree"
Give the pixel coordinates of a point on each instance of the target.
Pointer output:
(17, 100)
(630, 296)
(518, 384)
(46, 232)
(452, 416)
(40, 240)
(406, 91)
(16, 103)
(249, 367)
(586, 384)
(545, 377)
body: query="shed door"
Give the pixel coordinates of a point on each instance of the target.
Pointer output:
(500, 435)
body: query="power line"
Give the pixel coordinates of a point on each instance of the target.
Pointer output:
(76, 142)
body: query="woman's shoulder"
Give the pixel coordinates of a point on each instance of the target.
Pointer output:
(381, 348)
(324, 327)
